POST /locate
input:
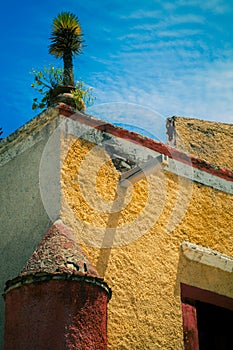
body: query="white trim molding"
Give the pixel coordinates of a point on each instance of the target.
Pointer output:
(207, 256)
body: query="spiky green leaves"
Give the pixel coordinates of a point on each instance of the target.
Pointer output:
(66, 36)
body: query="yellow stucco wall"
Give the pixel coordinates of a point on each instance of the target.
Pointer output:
(144, 274)
(207, 140)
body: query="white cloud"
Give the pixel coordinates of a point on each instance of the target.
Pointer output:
(215, 6)
(205, 92)
(142, 14)
(135, 36)
(169, 21)
(178, 33)
(188, 18)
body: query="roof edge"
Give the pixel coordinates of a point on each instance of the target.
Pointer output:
(32, 124)
(145, 141)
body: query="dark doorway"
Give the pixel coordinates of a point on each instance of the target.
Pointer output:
(215, 325)
(207, 319)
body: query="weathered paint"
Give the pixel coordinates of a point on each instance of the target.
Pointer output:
(57, 314)
(207, 256)
(194, 293)
(193, 323)
(58, 253)
(171, 152)
(190, 327)
(59, 294)
(208, 140)
(24, 220)
(145, 275)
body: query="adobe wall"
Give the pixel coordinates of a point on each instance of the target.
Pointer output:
(145, 274)
(141, 232)
(23, 217)
(211, 141)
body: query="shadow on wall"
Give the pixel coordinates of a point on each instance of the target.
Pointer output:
(24, 219)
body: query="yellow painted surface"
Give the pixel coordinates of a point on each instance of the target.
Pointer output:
(144, 274)
(207, 140)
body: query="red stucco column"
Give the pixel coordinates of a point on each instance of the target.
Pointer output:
(58, 301)
(56, 314)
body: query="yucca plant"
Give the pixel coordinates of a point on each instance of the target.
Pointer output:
(66, 42)
(55, 84)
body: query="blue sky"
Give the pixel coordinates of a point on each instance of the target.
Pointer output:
(165, 57)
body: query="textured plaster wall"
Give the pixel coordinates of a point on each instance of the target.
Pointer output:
(23, 218)
(56, 315)
(207, 140)
(142, 260)
(145, 274)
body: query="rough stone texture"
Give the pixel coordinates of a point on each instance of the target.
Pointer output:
(56, 315)
(59, 253)
(210, 141)
(145, 274)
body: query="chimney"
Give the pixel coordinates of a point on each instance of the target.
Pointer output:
(58, 301)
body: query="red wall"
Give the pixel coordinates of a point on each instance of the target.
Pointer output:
(56, 314)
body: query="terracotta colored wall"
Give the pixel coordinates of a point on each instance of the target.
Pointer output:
(56, 315)
(145, 274)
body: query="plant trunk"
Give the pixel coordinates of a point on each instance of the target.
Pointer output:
(68, 78)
